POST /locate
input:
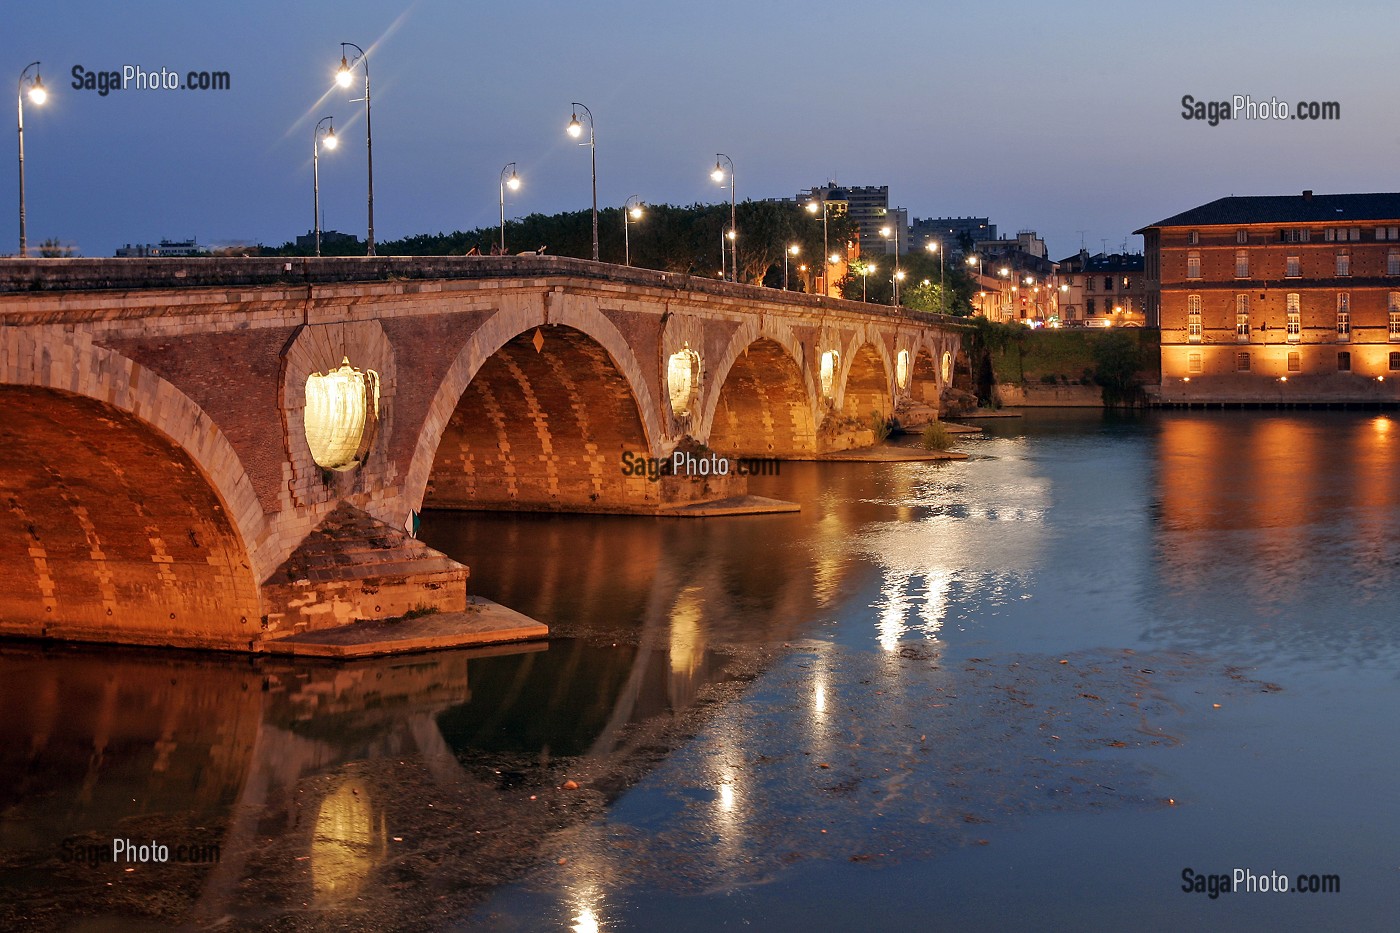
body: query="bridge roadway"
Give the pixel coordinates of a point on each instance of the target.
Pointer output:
(217, 452)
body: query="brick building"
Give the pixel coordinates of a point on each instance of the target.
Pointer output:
(1288, 299)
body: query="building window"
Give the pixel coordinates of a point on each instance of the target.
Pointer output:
(1241, 264)
(1088, 283)
(1294, 269)
(1394, 309)
(1295, 318)
(1394, 362)
(1295, 362)
(1193, 362)
(1193, 265)
(1241, 362)
(1295, 235)
(1194, 237)
(1344, 315)
(1344, 362)
(1392, 262)
(1241, 236)
(1108, 283)
(1193, 318)
(1242, 318)
(1089, 307)
(1344, 263)
(1330, 234)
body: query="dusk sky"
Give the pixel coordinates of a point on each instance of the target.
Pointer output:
(1061, 118)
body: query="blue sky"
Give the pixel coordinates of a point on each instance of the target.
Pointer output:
(1058, 117)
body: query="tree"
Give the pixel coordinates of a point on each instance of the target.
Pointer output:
(53, 248)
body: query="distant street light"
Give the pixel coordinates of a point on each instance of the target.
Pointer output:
(718, 176)
(886, 232)
(343, 77)
(513, 183)
(865, 269)
(826, 247)
(942, 282)
(316, 137)
(575, 129)
(37, 96)
(792, 250)
(630, 212)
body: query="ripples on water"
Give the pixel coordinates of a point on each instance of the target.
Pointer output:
(925, 608)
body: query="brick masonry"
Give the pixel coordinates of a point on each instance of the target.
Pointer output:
(201, 368)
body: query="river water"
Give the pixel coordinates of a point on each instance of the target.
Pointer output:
(1024, 691)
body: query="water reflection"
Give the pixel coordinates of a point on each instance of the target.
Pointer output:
(1280, 530)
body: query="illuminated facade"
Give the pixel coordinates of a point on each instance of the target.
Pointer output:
(1278, 300)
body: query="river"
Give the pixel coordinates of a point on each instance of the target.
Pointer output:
(1045, 687)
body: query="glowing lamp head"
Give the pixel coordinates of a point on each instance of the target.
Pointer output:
(636, 212)
(811, 207)
(885, 231)
(794, 249)
(575, 128)
(731, 234)
(717, 174)
(834, 258)
(343, 76)
(330, 141)
(1004, 272)
(37, 94)
(513, 182)
(899, 275)
(932, 246)
(972, 260)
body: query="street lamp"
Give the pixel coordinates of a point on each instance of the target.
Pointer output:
(630, 212)
(865, 269)
(343, 77)
(575, 129)
(37, 96)
(513, 183)
(718, 176)
(316, 137)
(942, 282)
(792, 250)
(886, 232)
(826, 248)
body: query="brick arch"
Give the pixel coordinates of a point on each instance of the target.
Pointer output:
(495, 333)
(110, 527)
(717, 372)
(925, 384)
(866, 379)
(762, 406)
(71, 362)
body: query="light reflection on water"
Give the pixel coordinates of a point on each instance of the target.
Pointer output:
(1249, 537)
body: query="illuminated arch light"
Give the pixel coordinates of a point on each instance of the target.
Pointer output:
(830, 360)
(901, 369)
(342, 408)
(683, 380)
(947, 367)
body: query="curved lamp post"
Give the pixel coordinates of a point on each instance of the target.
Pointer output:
(343, 77)
(942, 282)
(826, 247)
(792, 250)
(37, 96)
(316, 137)
(718, 176)
(887, 232)
(575, 129)
(513, 183)
(630, 212)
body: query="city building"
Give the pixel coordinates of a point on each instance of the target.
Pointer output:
(957, 236)
(166, 248)
(869, 207)
(1104, 290)
(1291, 299)
(329, 240)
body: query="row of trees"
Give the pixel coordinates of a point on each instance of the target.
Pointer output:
(672, 238)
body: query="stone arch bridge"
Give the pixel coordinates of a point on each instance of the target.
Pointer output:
(216, 452)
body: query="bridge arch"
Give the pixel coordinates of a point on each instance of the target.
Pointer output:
(516, 425)
(126, 512)
(762, 399)
(867, 379)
